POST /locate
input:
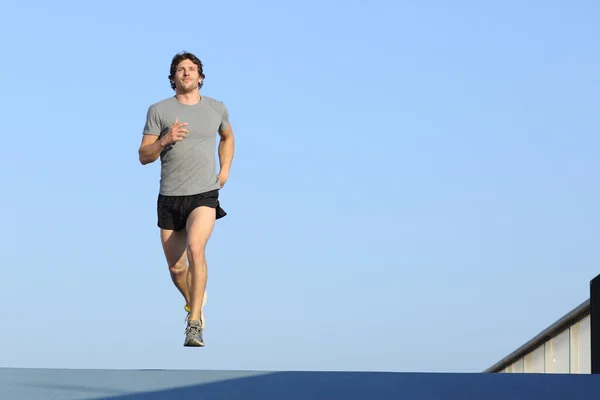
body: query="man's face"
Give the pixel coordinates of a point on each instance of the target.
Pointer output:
(187, 76)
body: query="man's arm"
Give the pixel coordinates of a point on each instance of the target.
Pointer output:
(226, 149)
(150, 148)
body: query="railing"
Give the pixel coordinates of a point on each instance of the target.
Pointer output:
(583, 342)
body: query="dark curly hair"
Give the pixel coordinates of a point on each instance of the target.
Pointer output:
(179, 57)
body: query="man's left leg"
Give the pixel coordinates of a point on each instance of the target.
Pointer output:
(200, 224)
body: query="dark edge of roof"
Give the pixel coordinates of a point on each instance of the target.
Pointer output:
(559, 326)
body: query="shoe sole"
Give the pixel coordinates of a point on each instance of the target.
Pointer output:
(193, 343)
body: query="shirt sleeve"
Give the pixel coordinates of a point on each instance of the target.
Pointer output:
(152, 125)
(224, 119)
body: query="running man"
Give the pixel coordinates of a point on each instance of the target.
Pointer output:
(182, 131)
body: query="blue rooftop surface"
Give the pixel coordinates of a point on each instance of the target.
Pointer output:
(64, 384)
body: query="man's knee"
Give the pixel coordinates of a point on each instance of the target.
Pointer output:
(179, 268)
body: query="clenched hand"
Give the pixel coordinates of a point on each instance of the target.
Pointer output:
(176, 133)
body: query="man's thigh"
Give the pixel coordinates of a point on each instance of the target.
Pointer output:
(174, 244)
(199, 226)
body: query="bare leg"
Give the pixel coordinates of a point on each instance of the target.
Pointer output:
(200, 225)
(174, 246)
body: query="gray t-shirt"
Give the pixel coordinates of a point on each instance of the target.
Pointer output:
(188, 167)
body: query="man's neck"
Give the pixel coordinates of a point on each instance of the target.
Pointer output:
(188, 98)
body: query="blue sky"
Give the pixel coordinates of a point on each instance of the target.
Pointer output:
(413, 189)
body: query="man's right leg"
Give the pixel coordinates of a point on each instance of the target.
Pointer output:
(174, 245)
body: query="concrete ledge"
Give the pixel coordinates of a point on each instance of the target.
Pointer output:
(62, 384)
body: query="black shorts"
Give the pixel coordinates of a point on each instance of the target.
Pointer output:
(173, 211)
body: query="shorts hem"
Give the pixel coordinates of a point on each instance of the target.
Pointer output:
(173, 211)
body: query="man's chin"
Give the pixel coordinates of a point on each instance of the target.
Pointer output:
(187, 89)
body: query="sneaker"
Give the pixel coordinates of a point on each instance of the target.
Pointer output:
(193, 334)
(202, 318)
